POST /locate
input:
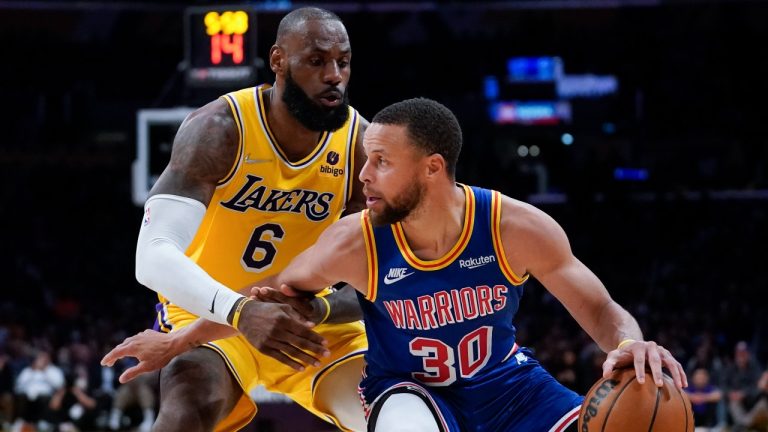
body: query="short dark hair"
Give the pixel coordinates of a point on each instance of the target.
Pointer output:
(430, 125)
(295, 18)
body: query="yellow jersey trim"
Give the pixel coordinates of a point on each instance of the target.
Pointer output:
(451, 255)
(498, 245)
(372, 258)
(161, 324)
(235, 108)
(351, 150)
(322, 143)
(323, 373)
(213, 346)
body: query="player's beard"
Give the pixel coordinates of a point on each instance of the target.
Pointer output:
(311, 114)
(401, 207)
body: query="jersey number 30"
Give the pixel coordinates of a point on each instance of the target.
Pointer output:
(439, 359)
(261, 250)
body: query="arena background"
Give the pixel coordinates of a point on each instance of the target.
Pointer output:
(640, 125)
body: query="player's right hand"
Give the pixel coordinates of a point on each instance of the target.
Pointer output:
(280, 332)
(302, 304)
(153, 350)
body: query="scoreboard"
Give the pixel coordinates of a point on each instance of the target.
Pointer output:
(220, 46)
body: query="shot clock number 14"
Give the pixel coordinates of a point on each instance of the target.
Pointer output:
(220, 44)
(226, 31)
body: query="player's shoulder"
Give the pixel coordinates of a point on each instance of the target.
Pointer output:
(363, 126)
(211, 125)
(523, 220)
(344, 235)
(205, 147)
(215, 113)
(364, 123)
(347, 229)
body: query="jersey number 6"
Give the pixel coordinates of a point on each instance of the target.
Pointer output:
(261, 250)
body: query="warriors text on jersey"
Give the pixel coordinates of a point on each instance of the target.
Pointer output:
(447, 320)
(442, 330)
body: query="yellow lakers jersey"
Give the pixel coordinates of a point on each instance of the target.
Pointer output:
(269, 209)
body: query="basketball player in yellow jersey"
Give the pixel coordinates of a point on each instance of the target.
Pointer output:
(254, 178)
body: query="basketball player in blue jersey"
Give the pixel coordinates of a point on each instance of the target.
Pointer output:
(254, 178)
(439, 267)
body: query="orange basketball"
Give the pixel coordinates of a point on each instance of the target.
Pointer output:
(621, 404)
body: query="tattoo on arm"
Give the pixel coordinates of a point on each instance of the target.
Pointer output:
(204, 151)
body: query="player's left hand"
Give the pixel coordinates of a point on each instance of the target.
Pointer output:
(153, 349)
(640, 352)
(309, 308)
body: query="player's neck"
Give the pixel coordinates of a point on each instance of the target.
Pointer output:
(292, 137)
(435, 226)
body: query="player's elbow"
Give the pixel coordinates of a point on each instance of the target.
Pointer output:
(149, 261)
(141, 271)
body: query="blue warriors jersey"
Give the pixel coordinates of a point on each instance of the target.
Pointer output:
(446, 321)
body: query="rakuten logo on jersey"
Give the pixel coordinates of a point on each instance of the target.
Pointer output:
(480, 261)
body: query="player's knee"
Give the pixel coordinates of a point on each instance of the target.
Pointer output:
(195, 389)
(405, 412)
(406, 425)
(191, 415)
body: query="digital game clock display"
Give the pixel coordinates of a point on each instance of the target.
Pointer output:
(220, 46)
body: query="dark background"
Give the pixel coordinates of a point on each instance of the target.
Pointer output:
(685, 251)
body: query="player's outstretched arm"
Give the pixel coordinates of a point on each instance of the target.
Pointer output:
(154, 350)
(535, 244)
(204, 151)
(337, 255)
(340, 306)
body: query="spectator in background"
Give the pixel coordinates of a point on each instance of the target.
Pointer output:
(747, 402)
(6, 392)
(72, 409)
(705, 358)
(139, 391)
(591, 366)
(35, 386)
(564, 370)
(704, 400)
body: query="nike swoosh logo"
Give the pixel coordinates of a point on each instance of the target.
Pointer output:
(390, 281)
(213, 303)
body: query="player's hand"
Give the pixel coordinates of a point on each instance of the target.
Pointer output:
(307, 305)
(293, 292)
(153, 350)
(302, 305)
(277, 330)
(640, 352)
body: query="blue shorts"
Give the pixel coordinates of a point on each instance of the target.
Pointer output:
(517, 395)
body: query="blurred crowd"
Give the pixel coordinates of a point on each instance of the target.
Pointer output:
(63, 388)
(690, 271)
(690, 265)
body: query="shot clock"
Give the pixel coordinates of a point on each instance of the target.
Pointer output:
(220, 44)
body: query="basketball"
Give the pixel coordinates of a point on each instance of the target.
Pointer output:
(621, 404)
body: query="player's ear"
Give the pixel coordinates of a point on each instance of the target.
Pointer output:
(277, 60)
(435, 164)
